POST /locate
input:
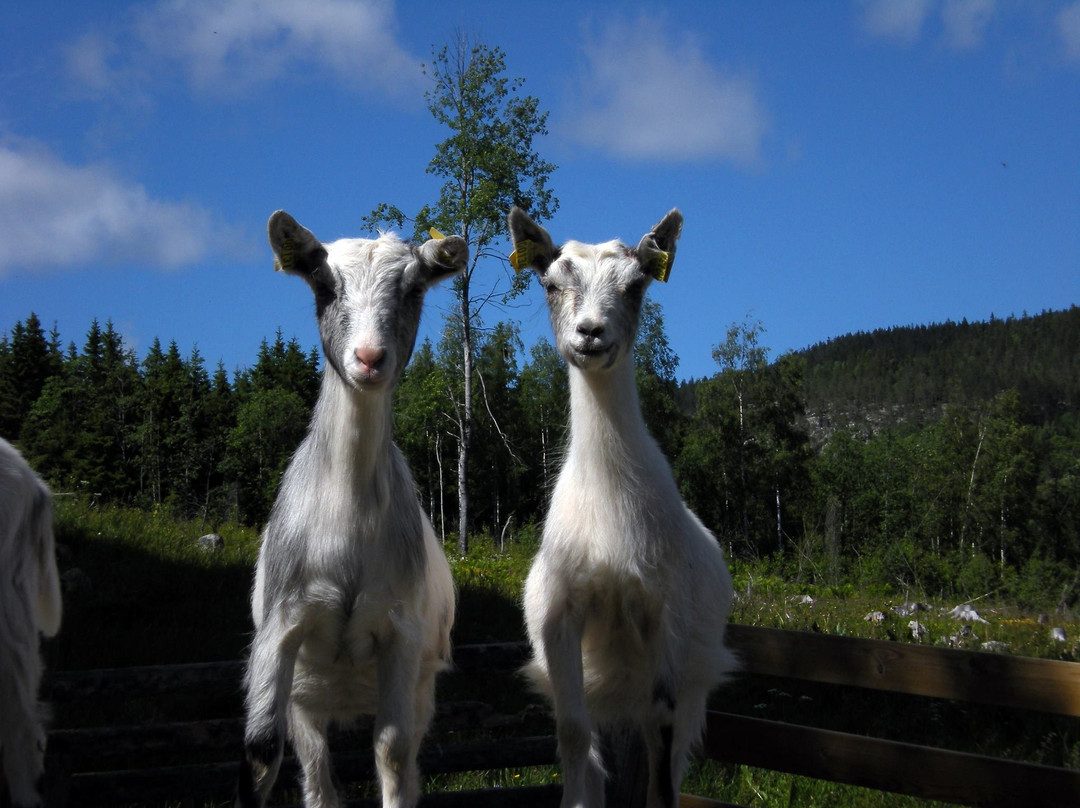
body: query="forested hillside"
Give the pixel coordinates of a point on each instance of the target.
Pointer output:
(918, 368)
(940, 458)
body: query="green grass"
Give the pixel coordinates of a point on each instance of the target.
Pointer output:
(744, 785)
(490, 583)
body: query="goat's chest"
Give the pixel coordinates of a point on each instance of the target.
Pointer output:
(345, 629)
(356, 587)
(612, 548)
(609, 522)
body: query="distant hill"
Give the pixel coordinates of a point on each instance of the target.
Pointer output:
(913, 370)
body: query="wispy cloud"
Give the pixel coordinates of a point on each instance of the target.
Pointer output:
(966, 21)
(896, 19)
(57, 215)
(225, 48)
(650, 94)
(1068, 23)
(963, 22)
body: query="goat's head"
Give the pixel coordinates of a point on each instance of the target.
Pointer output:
(595, 291)
(368, 294)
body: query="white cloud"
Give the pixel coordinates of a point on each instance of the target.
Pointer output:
(648, 95)
(226, 47)
(963, 22)
(896, 19)
(1068, 23)
(966, 21)
(88, 60)
(56, 214)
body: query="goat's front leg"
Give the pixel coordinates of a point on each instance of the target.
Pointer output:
(583, 775)
(308, 734)
(395, 738)
(269, 682)
(671, 729)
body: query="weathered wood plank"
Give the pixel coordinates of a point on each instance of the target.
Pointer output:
(921, 670)
(902, 768)
(690, 801)
(126, 746)
(214, 780)
(496, 656)
(520, 797)
(204, 678)
(225, 678)
(91, 748)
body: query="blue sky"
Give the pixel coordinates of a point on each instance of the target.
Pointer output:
(842, 166)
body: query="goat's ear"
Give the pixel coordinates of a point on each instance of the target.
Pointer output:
(442, 257)
(296, 250)
(532, 244)
(656, 250)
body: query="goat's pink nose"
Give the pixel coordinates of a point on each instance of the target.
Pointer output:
(370, 356)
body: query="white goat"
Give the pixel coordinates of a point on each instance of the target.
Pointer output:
(29, 604)
(353, 598)
(628, 598)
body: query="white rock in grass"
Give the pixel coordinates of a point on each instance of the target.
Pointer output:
(966, 613)
(908, 609)
(1058, 634)
(211, 542)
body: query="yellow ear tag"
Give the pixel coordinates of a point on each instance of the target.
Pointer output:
(522, 256)
(663, 266)
(435, 233)
(287, 258)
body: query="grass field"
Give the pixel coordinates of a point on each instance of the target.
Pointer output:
(148, 594)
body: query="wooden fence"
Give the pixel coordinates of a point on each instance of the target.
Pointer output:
(174, 734)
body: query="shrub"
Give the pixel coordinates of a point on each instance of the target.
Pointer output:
(978, 576)
(1044, 584)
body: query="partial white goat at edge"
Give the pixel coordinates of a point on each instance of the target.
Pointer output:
(628, 599)
(353, 599)
(30, 604)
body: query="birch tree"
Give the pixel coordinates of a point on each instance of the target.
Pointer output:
(487, 165)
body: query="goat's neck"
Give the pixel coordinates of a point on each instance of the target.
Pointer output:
(605, 417)
(352, 428)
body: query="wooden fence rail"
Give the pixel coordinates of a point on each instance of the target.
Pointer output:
(919, 670)
(193, 758)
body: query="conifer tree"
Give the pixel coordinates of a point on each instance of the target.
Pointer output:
(27, 361)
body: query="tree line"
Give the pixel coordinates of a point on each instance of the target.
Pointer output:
(160, 431)
(971, 497)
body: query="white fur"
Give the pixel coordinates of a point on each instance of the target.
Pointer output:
(30, 604)
(353, 598)
(628, 599)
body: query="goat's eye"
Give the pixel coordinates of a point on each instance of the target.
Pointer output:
(635, 288)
